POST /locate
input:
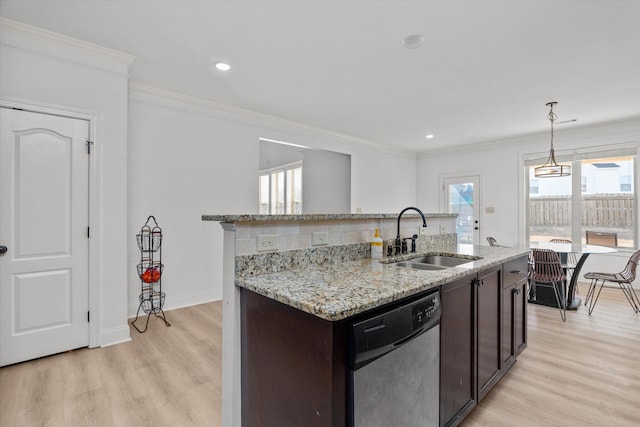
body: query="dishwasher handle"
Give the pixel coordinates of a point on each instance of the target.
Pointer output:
(372, 349)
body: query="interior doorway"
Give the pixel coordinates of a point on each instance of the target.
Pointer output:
(44, 226)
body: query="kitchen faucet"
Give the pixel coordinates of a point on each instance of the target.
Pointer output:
(398, 244)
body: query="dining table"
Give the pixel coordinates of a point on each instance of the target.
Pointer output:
(563, 249)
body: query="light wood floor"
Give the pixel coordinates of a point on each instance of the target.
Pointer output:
(168, 376)
(582, 372)
(585, 372)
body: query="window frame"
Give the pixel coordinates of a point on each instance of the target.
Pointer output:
(575, 158)
(271, 172)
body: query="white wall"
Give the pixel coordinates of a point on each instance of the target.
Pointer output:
(273, 155)
(51, 72)
(326, 182)
(189, 157)
(500, 166)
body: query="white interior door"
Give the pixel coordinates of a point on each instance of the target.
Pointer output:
(462, 196)
(44, 273)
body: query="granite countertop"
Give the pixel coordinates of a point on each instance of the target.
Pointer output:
(315, 217)
(340, 290)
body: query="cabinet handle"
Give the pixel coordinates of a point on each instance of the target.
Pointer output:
(516, 291)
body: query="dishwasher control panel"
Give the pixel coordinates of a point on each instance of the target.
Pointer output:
(423, 311)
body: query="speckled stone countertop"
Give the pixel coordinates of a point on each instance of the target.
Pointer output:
(313, 217)
(335, 291)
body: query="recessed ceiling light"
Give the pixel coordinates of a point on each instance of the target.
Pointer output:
(413, 41)
(430, 136)
(223, 66)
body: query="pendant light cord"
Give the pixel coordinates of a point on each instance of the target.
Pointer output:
(551, 168)
(552, 118)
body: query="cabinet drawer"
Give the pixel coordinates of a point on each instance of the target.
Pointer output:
(515, 270)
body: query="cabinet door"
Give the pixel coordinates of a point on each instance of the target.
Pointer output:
(488, 321)
(520, 316)
(514, 310)
(457, 386)
(509, 308)
(514, 322)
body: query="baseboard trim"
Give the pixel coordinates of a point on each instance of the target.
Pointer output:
(115, 336)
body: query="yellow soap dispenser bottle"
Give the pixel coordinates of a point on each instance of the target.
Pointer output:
(376, 245)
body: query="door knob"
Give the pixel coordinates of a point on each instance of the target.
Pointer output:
(3, 249)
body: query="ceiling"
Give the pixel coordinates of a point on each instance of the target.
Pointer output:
(485, 71)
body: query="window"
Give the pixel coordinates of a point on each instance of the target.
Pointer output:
(550, 208)
(280, 190)
(598, 197)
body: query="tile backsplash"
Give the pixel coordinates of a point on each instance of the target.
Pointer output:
(298, 235)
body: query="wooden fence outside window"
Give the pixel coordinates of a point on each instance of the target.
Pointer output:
(604, 210)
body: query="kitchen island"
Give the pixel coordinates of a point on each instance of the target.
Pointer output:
(288, 328)
(336, 291)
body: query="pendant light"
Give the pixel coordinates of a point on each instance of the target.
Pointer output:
(551, 168)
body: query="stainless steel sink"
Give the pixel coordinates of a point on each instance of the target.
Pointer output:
(435, 262)
(441, 260)
(419, 265)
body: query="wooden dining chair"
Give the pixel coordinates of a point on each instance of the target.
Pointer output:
(572, 260)
(623, 279)
(547, 271)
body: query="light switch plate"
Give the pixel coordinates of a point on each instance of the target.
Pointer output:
(319, 238)
(268, 242)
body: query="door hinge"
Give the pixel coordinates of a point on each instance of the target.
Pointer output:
(88, 316)
(89, 144)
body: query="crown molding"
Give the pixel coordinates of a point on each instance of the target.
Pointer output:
(38, 41)
(625, 130)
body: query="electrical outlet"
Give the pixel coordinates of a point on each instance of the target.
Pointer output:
(268, 243)
(319, 238)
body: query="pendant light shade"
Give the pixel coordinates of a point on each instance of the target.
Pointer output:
(551, 168)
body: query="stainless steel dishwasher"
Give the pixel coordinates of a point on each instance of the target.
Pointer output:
(394, 358)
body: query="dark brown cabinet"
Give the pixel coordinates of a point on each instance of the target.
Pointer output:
(514, 310)
(457, 356)
(469, 343)
(293, 366)
(488, 321)
(482, 329)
